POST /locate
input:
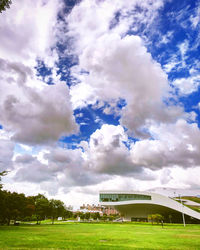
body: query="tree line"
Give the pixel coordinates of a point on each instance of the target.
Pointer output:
(18, 207)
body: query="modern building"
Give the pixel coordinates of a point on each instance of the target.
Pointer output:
(136, 206)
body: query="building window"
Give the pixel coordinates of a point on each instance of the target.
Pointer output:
(122, 197)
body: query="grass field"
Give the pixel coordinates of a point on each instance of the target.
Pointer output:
(100, 236)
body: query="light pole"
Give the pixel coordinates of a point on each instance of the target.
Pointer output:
(182, 210)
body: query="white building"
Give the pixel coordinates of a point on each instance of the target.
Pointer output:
(138, 205)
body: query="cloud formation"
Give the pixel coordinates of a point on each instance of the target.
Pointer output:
(36, 113)
(120, 67)
(6, 154)
(173, 145)
(27, 30)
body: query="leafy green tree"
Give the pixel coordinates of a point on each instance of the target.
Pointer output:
(82, 216)
(42, 207)
(159, 218)
(151, 217)
(67, 214)
(87, 216)
(2, 206)
(4, 4)
(56, 209)
(156, 218)
(12, 206)
(96, 216)
(75, 216)
(111, 218)
(104, 217)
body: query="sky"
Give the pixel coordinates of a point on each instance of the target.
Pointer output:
(100, 95)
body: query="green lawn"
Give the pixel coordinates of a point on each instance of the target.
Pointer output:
(100, 236)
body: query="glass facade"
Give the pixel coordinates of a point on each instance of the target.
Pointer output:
(122, 197)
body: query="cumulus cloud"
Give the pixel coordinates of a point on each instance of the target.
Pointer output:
(63, 167)
(27, 30)
(6, 154)
(119, 67)
(35, 112)
(32, 111)
(88, 21)
(173, 145)
(103, 157)
(189, 177)
(70, 165)
(106, 156)
(105, 161)
(187, 85)
(32, 171)
(106, 152)
(122, 68)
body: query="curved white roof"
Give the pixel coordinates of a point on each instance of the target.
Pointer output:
(156, 199)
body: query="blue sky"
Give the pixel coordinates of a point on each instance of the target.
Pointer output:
(96, 95)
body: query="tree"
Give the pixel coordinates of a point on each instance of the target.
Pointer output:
(156, 217)
(29, 207)
(14, 206)
(2, 206)
(104, 217)
(67, 214)
(4, 4)
(111, 218)
(42, 207)
(87, 216)
(96, 216)
(56, 209)
(150, 218)
(82, 216)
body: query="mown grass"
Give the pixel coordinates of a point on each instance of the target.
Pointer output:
(100, 236)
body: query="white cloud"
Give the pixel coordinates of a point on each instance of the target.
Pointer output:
(32, 111)
(103, 157)
(36, 113)
(40, 117)
(174, 145)
(82, 95)
(27, 30)
(118, 65)
(122, 68)
(6, 154)
(106, 152)
(63, 167)
(166, 38)
(187, 85)
(106, 163)
(195, 19)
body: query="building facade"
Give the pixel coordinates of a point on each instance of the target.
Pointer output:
(137, 206)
